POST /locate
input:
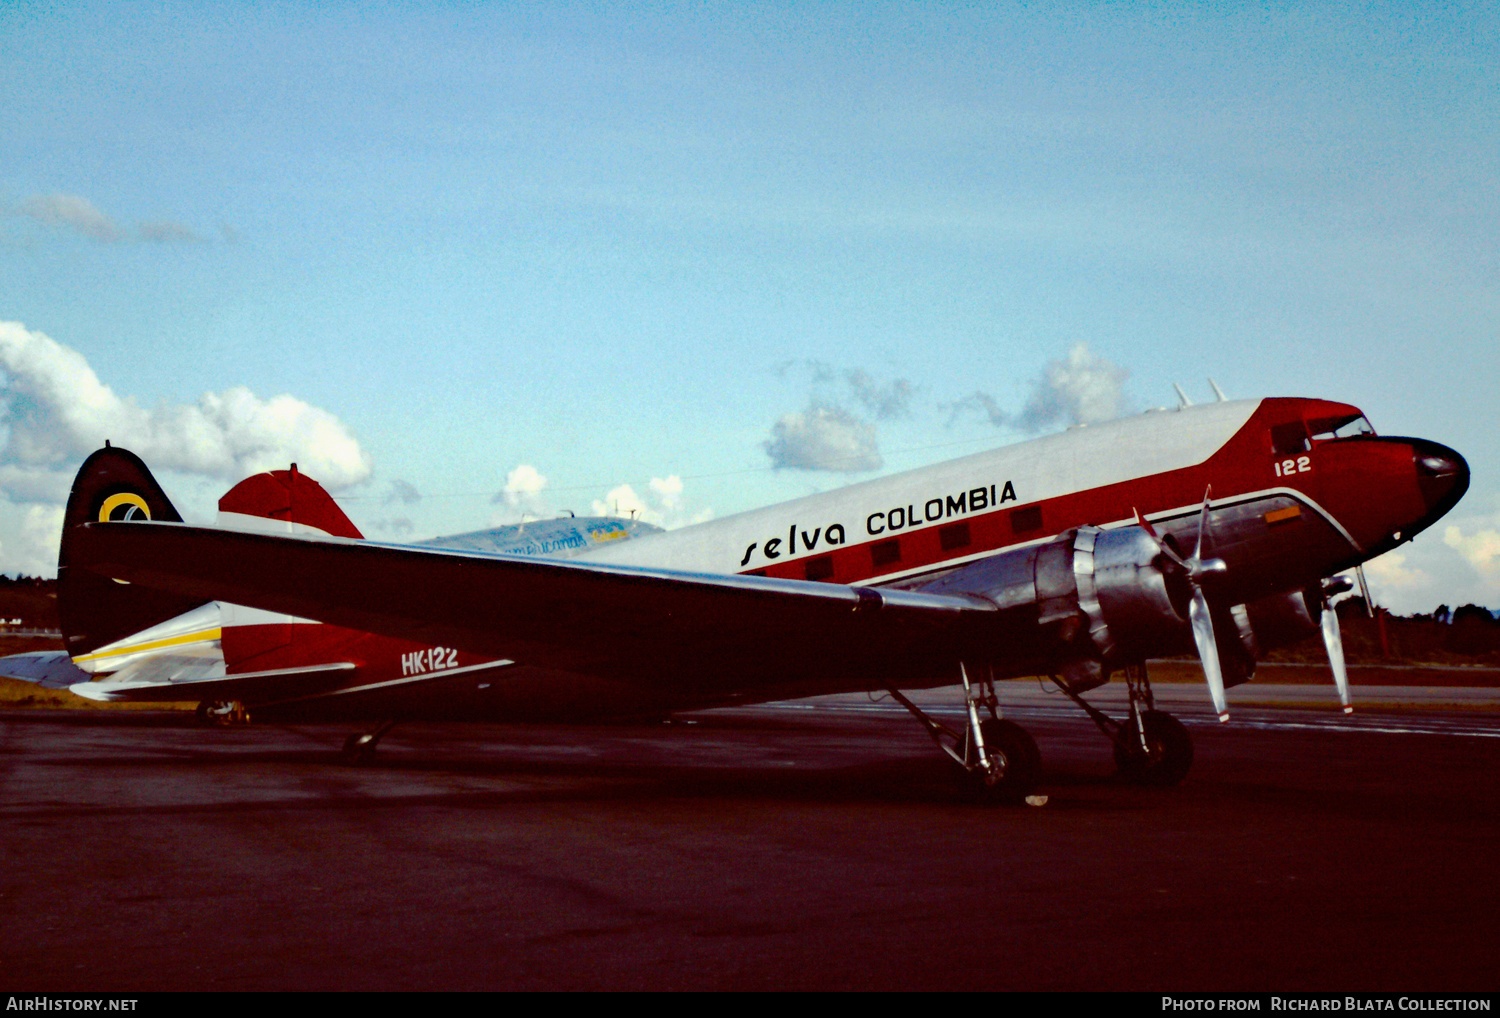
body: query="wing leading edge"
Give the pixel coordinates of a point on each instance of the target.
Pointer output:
(736, 635)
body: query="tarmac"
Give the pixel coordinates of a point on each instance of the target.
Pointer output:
(816, 845)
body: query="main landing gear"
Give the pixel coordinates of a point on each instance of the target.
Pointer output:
(1151, 746)
(999, 758)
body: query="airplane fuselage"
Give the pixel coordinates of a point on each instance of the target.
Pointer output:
(1300, 489)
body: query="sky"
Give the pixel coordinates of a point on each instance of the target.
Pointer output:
(463, 262)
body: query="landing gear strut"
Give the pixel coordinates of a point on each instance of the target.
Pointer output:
(222, 712)
(1151, 746)
(999, 758)
(359, 748)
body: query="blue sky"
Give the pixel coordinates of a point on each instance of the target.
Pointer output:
(420, 247)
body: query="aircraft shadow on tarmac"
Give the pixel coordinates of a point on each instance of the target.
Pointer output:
(752, 755)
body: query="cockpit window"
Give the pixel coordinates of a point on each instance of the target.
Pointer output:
(1327, 429)
(1289, 439)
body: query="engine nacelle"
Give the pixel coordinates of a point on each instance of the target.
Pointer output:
(1100, 597)
(1279, 620)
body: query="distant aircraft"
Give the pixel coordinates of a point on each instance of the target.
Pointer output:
(1212, 528)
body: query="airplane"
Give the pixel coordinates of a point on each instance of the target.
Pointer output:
(1218, 529)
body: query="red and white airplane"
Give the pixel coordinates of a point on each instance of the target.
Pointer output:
(1213, 527)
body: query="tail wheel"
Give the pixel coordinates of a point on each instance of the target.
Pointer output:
(222, 712)
(1168, 754)
(1019, 762)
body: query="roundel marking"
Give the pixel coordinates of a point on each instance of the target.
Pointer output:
(126, 505)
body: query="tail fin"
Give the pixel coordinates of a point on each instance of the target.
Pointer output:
(112, 484)
(289, 498)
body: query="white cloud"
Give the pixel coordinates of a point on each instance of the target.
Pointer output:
(1461, 565)
(663, 504)
(621, 500)
(1481, 549)
(1390, 577)
(523, 490)
(823, 438)
(1079, 389)
(31, 533)
(54, 411)
(668, 490)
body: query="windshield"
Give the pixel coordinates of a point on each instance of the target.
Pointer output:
(1326, 429)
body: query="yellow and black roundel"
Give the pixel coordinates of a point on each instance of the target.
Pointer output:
(124, 505)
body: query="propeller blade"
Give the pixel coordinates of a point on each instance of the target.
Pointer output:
(1208, 651)
(1333, 640)
(1205, 534)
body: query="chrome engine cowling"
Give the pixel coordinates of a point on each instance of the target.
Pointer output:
(1278, 620)
(1099, 597)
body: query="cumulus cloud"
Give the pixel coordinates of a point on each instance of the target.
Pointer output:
(1080, 388)
(54, 410)
(668, 490)
(523, 490)
(1481, 549)
(662, 505)
(823, 438)
(620, 500)
(1391, 578)
(31, 539)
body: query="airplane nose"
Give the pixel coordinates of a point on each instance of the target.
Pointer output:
(1442, 476)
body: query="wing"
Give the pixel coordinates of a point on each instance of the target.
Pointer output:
(755, 637)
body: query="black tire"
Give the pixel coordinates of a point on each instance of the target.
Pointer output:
(1020, 762)
(1168, 758)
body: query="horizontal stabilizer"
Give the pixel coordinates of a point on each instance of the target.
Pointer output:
(158, 686)
(51, 669)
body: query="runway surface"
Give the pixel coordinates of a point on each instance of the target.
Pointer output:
(812, 845)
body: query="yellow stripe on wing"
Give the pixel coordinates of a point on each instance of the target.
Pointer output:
(136, 648)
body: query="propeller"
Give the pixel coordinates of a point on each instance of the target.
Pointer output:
(1200, 568)
(1333, 640)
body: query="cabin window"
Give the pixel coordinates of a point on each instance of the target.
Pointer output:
(820, 568)
(883, 553)
(954, 535)
(1289, 439)
(1026, 519)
